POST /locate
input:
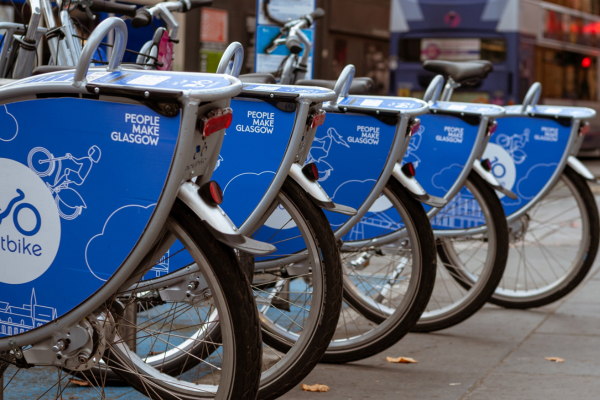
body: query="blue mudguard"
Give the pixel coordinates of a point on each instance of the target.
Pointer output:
(528, 150)
(72, 205)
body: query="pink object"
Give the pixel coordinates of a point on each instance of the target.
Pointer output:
(165, 52)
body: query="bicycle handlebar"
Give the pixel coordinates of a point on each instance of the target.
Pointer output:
(143, 16)
(317, 14)
(113, 8)
(193, 4)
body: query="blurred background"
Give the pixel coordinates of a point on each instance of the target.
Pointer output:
(554, 42)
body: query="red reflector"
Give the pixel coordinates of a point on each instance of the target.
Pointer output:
(492, 128)
(216, 120)
(409, 169)
(311, 171)
(586, 62)
(211, 193)
(317, 119)
(414, 127)
(585, 128)
(486, 164)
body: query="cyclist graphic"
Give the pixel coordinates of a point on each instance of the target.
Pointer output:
(68, 200)
(514, 145)
(83, 165)
(320, 151)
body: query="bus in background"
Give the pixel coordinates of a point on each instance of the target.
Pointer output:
(555, 43)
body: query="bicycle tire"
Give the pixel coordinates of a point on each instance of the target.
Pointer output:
(583, 262)
(390, 330)
(496, 259)
(321, 235)
(244, 327)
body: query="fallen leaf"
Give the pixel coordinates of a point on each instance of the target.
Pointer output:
(555, 359)
(315, 388)
(403, 360)
(79, 382)
(455, 384)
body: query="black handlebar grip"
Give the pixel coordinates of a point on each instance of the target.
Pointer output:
(317, 14)
(294, 45)
(193, 4)
(114, 8)
(142, 18)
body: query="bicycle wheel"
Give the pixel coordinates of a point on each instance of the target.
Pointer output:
(299, 302)
(466, 257)
(552, 246)
(231, 366)
(386, 287)
(41, 161)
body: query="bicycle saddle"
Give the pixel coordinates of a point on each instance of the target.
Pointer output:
(257, 78)
(358, 86)
(461, 72)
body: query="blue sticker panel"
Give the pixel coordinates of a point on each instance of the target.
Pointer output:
(525, 152)
(146, 78)
(350, 152)
(469, 108)
(72, 206)
(567, 112)
(287, 89)
(382, 103)
(252, 152)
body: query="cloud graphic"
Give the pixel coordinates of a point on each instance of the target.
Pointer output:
(528, 187)
(446, 177)
(106, 251)
(350, 189)
(9, 127)
(246, 180)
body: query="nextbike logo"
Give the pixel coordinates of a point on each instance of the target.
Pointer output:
(262, 122)
(549, 134)
(452, 134)
(368, 135)
(144, 130)
(30, 227)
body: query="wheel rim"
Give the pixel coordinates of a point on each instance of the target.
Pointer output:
(558, 235)
(387, 285)
(464, 262)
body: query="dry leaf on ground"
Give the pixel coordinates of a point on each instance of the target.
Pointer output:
(315, 388)
(79, 382)
(403, 360)
(555, 359)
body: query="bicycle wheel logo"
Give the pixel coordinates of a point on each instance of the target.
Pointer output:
(30, 228)
(503, 166)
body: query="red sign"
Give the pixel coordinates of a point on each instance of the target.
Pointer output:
(214, 25)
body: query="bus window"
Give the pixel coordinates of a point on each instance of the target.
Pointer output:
(452, 49)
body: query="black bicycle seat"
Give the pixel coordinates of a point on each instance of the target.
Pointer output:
(461, 72)
(358, 86)
(258, 78)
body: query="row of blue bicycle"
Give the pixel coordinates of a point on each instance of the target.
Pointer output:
(197, 235)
